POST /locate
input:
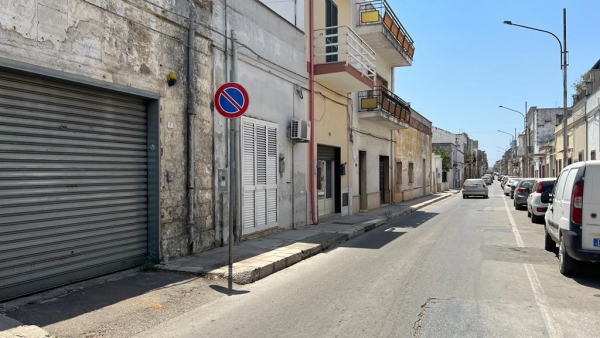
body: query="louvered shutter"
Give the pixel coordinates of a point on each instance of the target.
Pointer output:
(259, 175)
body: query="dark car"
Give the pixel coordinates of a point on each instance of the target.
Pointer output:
(522, 191)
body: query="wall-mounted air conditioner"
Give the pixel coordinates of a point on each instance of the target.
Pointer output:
(300, 130)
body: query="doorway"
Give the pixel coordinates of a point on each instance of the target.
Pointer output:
(424, 173)
(328, 180)
(384, 180)
(362, 179)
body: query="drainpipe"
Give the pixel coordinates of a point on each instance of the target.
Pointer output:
(311, 163)
(191, 114)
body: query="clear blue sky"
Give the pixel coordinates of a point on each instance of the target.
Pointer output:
(467, 62)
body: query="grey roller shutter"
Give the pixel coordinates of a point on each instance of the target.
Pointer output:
(73, 183)
(325, 153)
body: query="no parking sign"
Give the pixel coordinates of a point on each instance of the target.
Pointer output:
(231, 100)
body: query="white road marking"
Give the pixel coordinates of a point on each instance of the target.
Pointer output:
(552, 325)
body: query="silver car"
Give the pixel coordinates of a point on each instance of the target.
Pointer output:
(487, 179)
(475, 187)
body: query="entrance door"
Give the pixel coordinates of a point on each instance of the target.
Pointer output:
(424, 172)
(325, 182)
(384, 180)
(362, 179)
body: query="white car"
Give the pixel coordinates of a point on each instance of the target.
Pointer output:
(535, 208)
(573, 216)
(508, 186)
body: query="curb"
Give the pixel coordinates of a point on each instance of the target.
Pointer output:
(258, 267)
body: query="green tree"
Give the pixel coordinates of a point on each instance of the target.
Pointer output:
(446, 165)
(579, 85)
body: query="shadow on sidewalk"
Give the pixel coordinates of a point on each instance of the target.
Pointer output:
(97, 297)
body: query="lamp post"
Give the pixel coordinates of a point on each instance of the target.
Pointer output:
(563, 65)
(511, 147)
(526, 174)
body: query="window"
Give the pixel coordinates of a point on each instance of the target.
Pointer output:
(444, 176)
(331, 20)
(398, 172)
(569, 184)
(580, 156)
(411, 178)
(259, 175)
(593, 155)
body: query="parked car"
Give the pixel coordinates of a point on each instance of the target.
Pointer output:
(573, 216)
(535, 208)
(522, 191)
(487, 179)
(474, 187)
(506, 186)
(505, 179)
(513, 186)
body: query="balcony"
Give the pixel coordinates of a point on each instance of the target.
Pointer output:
(343, 59)
(382, 30)
(384, 108)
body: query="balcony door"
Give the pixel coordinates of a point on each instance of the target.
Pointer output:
(331, 20)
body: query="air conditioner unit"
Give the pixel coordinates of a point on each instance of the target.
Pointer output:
(300, 130)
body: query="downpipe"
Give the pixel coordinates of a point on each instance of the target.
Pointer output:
(311, 163)
(191, 114)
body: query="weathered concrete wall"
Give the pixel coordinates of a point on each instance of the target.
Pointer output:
(276, 95)
(375, 140)
(76, 37)
(593, 113)
(413, 146)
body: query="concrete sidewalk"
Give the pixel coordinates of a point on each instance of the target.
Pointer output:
(257, 258)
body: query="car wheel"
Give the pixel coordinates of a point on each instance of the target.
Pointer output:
(517, 206)
(549, 243)
(566, 264)
(464, 197)
(528, 212)
(486, 196)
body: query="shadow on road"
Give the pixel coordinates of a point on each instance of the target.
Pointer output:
(381, 237)
(588, 275)
(227, 291)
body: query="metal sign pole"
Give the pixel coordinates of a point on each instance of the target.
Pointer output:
(233, 166)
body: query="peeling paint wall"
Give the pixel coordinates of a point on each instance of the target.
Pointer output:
(413, 146)
(77, 37)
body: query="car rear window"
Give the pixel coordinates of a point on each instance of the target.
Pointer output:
(547, 186)
(473, 181)
(527, 184)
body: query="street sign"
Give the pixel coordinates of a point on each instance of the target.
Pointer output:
(231, 100)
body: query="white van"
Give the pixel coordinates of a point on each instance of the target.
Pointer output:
(573, 215)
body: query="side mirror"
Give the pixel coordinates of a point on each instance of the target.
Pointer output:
(547, 197)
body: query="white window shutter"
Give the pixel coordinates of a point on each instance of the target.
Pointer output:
(259, 175)
(272, 176)
(248, 174)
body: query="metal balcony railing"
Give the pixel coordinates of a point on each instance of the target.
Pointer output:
(382, 99)
(375, 12)
(341, 43)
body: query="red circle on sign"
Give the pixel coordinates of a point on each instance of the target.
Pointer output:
(240, 108)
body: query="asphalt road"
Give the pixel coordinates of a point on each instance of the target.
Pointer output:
(458, 268)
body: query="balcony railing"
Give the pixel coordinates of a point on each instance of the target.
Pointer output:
(342, 44)
(375, 12)
(382, 99)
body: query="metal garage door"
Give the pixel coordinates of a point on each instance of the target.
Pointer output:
(73, 183)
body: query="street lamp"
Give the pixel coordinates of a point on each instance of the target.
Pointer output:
(563, 64)
(514, 152)
(526, 135)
